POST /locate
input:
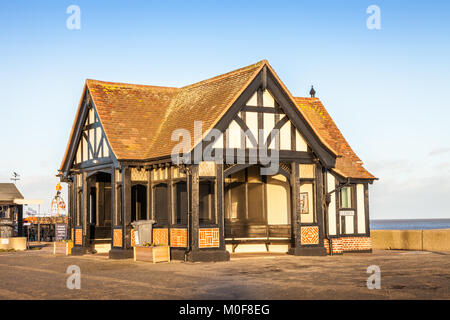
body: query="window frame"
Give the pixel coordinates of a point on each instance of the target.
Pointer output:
(352, 198)
(176, 204)
(212, 202)
(168, 221)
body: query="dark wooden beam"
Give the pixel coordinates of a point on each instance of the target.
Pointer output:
(319, 202)
(262, 109)
(126, 205)
(149, 195)
(70, 206)
(113, 204)
(85, 209)
(195, 192)
(366, 208)
(296, 212)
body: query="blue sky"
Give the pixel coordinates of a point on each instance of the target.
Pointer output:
(387, 90)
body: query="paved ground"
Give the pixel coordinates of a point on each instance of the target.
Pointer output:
(404, 275)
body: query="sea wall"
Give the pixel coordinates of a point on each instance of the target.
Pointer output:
(428, 240)
(17, 243)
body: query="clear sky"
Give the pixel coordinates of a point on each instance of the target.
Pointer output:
(388, 90)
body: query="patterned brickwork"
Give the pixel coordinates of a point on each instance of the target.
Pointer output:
(336, 244)
(161, 236)
(356, 243)
(348, 244)
(209, 238)
(117, 238)
(326, 244)
(79, 237)
(178, 238)
(133, 238)
(138, 175)
(310, 235)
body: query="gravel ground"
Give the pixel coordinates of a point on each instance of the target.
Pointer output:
(36, 274)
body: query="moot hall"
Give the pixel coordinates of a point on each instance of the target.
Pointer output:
(119, 169)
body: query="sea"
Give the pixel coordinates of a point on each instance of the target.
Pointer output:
(409, 224)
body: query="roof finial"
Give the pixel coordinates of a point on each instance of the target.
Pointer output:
(312, 92)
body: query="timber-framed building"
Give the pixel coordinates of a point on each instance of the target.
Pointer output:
(308, 194)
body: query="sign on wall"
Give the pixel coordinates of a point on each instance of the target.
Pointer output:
(347, 213)
(60, 231)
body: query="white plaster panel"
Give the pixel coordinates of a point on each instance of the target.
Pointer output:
(253, 100)
(277, 201)
(349, 226)
(234, 135)
(251, 120)
(361, 208)
(332, 207)
(300, 142)
(268, 100)
(285, 136)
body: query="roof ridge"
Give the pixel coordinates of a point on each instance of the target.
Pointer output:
(227, 74)
(128, 84)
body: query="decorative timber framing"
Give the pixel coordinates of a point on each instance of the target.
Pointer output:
(91, 168)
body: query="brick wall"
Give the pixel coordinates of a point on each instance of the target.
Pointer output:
(348, 244)
(356, 243)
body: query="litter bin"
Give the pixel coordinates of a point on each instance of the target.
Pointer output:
(143, 231)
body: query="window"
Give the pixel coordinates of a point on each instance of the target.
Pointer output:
(181, 203)
(206, 202)
(4, 212)
(93, 206)
(255, 203)
(79, 204)
(235, 202)
(161, 204)
(138, 202)
(346, 198)
(118, 220)
(307, 201)
(245, 196)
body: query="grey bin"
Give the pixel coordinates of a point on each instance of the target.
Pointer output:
(144, 231)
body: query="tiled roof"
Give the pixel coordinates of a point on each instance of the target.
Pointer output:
(138, 120)
(130, 115)
(348, 163)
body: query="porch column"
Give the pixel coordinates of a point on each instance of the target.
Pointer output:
(307, 248)
(295, 185)
(126, 190)
(80, 213)
(320, 203)
(85, 210)
(70, 207)
(194, 195)
(121, 233)
(220, 206)
(20, 220)
(199, 252)
(113, 204)
(149, 195)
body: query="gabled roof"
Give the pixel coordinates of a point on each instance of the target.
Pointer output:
(138, 120)
(9, 192)
(348, 164)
